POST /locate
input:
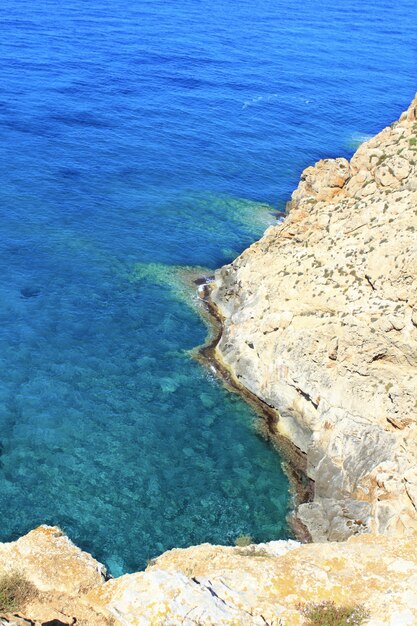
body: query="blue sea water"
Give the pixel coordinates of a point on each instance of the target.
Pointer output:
(138, 138)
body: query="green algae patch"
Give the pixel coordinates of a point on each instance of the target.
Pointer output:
(254, 216)
(183, 284)
(179, 280)
(355, 140)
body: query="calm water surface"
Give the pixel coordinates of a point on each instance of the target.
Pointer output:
(136, 138)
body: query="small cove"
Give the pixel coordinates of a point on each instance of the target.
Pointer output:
(137, 140)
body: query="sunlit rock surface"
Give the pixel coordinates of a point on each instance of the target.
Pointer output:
(213, 585)
(61, 575)
(320, 322)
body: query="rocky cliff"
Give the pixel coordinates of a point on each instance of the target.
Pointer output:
(320, 322)
(259, 585)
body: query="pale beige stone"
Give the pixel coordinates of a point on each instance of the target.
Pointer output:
(257, 585)
(61, 575)
(51, 561)
(328, 301)
(218, 586)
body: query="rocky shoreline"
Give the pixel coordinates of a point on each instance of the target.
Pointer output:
(257, 585)
(319, 321)
(317, 328)
(294, 460)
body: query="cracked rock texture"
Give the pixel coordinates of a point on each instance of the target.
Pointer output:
(320, 322)
(257, 585)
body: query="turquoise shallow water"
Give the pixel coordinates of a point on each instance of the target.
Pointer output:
(137, 138)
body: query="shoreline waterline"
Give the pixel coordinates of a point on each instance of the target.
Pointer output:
(294, 461)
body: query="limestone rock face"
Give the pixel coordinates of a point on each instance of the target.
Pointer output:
(170, 597)
(256, 585)
(267, 589)
(60, 575)
(51, 561)
(320, 322)
(260, 584)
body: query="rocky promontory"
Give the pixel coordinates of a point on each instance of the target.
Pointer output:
(257, 585)
(320, 322)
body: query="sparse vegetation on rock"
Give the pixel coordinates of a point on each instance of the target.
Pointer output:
(15, 591)
(243, 540)
(328, 614)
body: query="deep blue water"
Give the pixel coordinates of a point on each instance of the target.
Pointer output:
(137, 137)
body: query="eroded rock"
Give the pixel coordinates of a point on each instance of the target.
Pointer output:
(327, 299)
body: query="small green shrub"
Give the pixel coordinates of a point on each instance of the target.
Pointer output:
(328, 614)
(15, 591)
(381, 159)
(243, 540)
(412, 141)
(254, 551)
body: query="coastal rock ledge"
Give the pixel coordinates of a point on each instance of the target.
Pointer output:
(320, 322)
(258, 585)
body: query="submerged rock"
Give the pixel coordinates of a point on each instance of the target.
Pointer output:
(30, 292)
(319, 322)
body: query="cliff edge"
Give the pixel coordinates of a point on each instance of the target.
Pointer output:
(259, 585)
(320, 322)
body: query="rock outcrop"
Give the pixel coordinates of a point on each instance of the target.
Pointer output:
(258, 585)
(320, 322)
(59, 574)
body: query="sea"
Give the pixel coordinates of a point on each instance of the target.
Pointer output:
(142, 141)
